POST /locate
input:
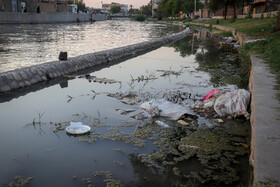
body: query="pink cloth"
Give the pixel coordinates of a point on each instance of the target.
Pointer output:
(210, 94)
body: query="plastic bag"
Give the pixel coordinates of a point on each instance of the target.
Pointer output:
(166, 108)
(211, 93)
(233, 103)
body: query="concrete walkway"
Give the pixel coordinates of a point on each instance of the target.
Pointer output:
(265, 122)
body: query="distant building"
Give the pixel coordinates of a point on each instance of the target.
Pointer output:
(73, 8)
(33, 6)
(204, 12)
(230, 12)
(155, 7)
(124, 7)
(261, 6)
(257, 7)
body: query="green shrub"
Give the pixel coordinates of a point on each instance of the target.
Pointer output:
(210, 27)
(232, 20)
(140, 17)
(217, 21)
(249, 15)
(226, 33)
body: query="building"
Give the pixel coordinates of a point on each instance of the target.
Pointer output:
(155, 7)
(256, 8)
(124, 7)
(261, 6)
(230, 12)
(73, 8)
(33, 6)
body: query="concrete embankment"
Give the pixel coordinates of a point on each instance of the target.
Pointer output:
(265, 118)
(265, 122)
(34, 18)
(27, 76)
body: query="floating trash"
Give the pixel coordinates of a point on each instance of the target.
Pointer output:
(77, 128)
(161, 124)
(129, 97)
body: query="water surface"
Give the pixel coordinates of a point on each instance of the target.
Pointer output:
(23, 45)
(135, 152)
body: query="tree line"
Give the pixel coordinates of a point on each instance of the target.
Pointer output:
(80, 4)
(171, 8)
(215, 5)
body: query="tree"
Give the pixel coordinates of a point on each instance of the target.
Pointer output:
(278, 23)
(174, 7)
(70, 2)
(215, 5)
(115, 9)
(147, 9)
(164, 6)
(188, 6)
(81, 5)
(140, 17)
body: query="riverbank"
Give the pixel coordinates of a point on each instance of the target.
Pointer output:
(34, 18)
(265, 113)
(267, 47)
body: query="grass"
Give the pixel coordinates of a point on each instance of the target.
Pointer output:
(224, 33)
(255, 28)
(269, 49)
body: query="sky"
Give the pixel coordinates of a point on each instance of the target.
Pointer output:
(97, 3)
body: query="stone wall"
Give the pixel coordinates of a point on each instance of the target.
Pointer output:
(99, 17)
(15, 17)
(265, 15)
(48, 7)
(27, 76)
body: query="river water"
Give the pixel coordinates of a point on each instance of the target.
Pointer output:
(119, 148)
(25, 45)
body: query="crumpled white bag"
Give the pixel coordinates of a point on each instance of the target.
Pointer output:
(166, 108)
(233, 103)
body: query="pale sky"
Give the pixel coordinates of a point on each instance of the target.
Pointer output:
(97, 3)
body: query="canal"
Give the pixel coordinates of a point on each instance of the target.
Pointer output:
(125, 146)
(29, 44)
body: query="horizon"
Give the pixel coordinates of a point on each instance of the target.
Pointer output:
(98, 3)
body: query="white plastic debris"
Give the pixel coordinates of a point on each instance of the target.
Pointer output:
(254, 40)
(77, 128)
(161, 124)
(166, 108)
(233, 103)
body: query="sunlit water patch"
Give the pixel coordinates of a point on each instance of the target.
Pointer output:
(27, 44)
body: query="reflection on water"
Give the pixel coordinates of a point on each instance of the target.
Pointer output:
(25, 45)
(187, 46)
(121, 149)
(220, 60)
